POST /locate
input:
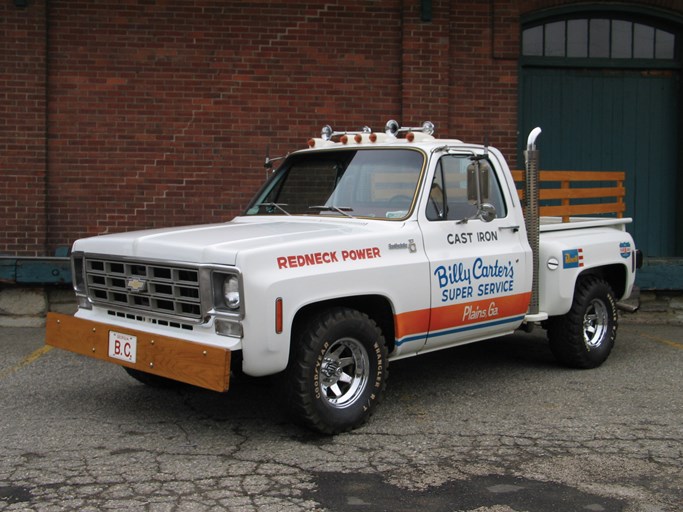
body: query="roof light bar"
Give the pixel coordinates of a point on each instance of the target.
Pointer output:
(392, 129)
(327, 132)
(428, 128)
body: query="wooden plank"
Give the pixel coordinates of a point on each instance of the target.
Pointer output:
(581, 209)
(582, 176)
(8, 270)
(34, 270)
(568, 186)
(578, 193)
(43, 270)
(518, 175)
(581, 193)
(185, 361)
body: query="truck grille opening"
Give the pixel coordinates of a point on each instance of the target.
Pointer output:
(155, 321)
(167, 290)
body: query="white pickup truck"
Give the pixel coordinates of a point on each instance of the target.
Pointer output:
(362, 249)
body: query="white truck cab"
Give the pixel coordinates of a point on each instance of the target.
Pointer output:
(361, 249)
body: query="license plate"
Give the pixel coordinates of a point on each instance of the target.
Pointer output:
(122, 346)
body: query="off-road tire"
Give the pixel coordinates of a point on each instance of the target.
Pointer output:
(337, 371)
(584, 337)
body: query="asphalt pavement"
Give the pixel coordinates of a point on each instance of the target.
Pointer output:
(491, 427)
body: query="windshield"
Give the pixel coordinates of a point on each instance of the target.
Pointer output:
(377, 183)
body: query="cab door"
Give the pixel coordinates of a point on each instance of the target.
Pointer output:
(480, 285)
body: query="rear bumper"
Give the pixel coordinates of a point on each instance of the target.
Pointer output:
(174, 358)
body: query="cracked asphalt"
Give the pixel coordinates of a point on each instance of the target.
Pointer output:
(491, 427)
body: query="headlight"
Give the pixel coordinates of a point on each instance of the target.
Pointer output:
(79, 280)
(227, 292)
(77, 272)
(231, 292)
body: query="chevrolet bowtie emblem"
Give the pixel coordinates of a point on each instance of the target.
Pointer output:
(136, 285)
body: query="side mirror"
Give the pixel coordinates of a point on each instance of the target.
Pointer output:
(487, 212)
(478, 187)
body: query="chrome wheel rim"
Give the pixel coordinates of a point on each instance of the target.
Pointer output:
(344, 372)
(595, 323)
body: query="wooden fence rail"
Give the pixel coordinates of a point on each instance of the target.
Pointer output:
(579, 192)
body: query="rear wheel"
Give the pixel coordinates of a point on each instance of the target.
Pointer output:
(338, 370)
(584, 337)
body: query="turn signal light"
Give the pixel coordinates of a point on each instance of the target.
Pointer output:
(278, 315)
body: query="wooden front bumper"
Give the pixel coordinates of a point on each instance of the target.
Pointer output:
(185, 361)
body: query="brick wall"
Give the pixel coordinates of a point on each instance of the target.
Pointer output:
(22, 129)
(425, 66)
(483, 96)
(159, 113)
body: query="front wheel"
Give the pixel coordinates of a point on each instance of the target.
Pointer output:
(584, 337)
(337, 372)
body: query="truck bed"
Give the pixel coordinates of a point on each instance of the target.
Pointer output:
(559, 224)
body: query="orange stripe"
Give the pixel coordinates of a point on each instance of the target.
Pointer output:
(412, 322)
(479, 311)
(445, 317)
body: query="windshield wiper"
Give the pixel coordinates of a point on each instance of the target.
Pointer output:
(279, 206)
(338, 209)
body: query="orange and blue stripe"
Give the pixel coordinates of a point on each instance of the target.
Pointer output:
(446, 320)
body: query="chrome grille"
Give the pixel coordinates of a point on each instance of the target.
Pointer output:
(166, 290)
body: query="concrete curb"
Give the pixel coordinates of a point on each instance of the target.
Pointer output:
(27, 306)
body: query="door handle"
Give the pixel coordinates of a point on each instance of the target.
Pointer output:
(514, 229)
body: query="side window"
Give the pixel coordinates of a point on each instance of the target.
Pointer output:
(448, 195)
(437, 204)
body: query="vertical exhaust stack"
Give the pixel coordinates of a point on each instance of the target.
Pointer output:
(531, 211)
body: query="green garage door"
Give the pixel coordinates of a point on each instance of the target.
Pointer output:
(613, 108)
(613, 121)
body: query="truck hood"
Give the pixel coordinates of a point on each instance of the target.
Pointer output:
(218, 243)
